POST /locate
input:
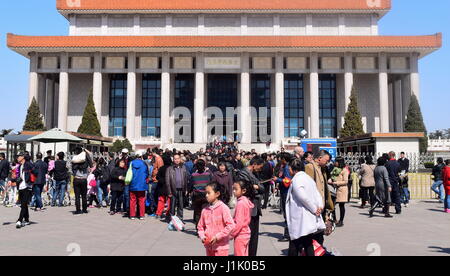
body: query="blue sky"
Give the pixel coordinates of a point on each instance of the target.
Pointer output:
(408, 17)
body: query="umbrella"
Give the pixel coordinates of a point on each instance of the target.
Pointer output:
(55, 135)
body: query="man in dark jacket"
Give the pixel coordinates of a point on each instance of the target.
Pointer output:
(438, 184)
(248, 175)
(4, 171)
(393, 168)
(404, 169)
(40, 170)
(61, 177)
(176, 184)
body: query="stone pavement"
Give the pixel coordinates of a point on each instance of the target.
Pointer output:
(422, 229)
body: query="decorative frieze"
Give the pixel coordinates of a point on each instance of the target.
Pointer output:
(183, 62)
(115, 63)
(222, 63)
(49, 63)
(148, 63)
(81, 63)
(398, 63)
(365, 63)
(262, 63)
(296, 63)
(331, 63)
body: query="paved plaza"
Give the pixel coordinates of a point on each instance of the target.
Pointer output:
(422, 229)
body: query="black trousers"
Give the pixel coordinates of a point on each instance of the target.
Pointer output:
(177, 201)
(368, 195)
(93, 198)
(253, 245)
(266, 195)
(198, 202)
(116, 201)
(80, 189)
(395, 196)
(283, 198)
(304, 243)
(24, 199)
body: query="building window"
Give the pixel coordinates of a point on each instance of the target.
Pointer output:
(222, 93)
(184, 97)
(118, 105)
(327, 105)
(260, 98)
(294, 112)
(151, 105)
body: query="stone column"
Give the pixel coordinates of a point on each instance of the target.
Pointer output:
(383, 94)
(98, 85)
(165, 98)
(314, 97)
(398, 107)
(63, 106)
(348, 79)
(278, 118)
(245, 120)
(131, 96)
(49, 121)
(414, 75)
(33, 79)
(42, 84)
(199, 101)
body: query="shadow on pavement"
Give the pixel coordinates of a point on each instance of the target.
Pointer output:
(436, 210)
(440, 249)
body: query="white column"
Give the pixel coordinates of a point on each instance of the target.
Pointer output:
(199, 101)
(245, 120)
(63, 106)
(384, 94)
(131, 96)
(98, 85)
(398, 108)
(33, 86)
(165, 98)
(41, 94)
(314, 97)
(49, 104)
(341, 24)
(278, 119)
(73, 24)
(348, 79)
(414, 75)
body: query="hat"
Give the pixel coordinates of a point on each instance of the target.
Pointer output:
(125, 151)
(21, 154)
(139, 153)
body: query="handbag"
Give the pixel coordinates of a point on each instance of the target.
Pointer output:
(177, 223)
(129, 175)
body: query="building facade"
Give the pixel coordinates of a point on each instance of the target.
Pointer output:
(161, 72)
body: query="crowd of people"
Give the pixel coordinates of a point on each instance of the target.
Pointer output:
(161, 184)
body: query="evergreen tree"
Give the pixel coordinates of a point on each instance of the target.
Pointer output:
(414, 122)
(352, 121)
(34, 120)
(127, 145)
(90, 124)
(117, 146)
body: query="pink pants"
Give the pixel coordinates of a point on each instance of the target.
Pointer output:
(241, 246)
(139, 198)
(216, 253)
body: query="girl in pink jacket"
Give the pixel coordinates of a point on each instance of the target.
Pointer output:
(242, 216)
(216, 223)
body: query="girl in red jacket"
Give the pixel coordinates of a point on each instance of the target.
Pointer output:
(216, 223)
(446, 180)
(242, 216)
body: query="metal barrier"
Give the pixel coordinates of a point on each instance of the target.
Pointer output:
(419, 185)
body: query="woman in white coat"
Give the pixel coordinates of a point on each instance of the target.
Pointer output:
(304, 206)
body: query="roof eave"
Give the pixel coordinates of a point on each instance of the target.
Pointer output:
(25, 51)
